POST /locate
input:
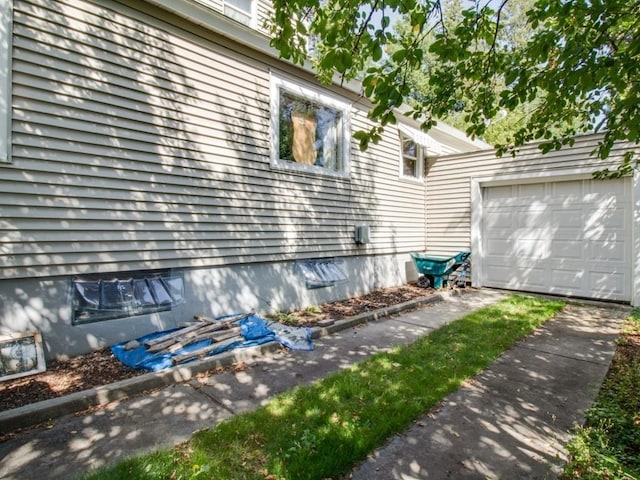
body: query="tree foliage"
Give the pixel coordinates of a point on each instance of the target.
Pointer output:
(514, 32)
(575, 66)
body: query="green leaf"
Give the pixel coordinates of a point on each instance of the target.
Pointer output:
(556, 68)
(399, 55)
(376, 54)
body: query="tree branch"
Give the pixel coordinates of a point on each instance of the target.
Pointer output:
(364, 26)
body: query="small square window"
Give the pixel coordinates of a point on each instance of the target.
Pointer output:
(310, 131)
(412, 158)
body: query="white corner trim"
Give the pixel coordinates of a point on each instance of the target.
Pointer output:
(635, 239)
(477, 252)
(6, 32)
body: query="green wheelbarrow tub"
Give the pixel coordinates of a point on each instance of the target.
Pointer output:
(438, 266)
(432, 265)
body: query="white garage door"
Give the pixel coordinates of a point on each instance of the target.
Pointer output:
(567, 238)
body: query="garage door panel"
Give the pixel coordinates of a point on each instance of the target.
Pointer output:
(497, 247)
(523, 250)
(567, 217)
(534, 191)
(567, 249)
(501, 219)
(517, 277)
(533, 217)
(571, 238)
(573, 191)
(606, 189)
(572, 234)
(603, 219)
(607, 250)
(520, 263)
(513, 202)
(604, 235)
(499, 193)
(568, 279)
(605, 282)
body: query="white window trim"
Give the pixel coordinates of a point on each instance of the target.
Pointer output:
(419, 160)
(316, 96)
(6, 32)
(253, 14)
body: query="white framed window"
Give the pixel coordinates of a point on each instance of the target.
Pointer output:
(310, 130)
(412, 158)
(6, 32)
(242, 11)
(414, 147)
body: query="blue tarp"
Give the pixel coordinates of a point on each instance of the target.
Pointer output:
(254, 329)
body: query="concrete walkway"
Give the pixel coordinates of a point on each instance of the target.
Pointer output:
(511, 422)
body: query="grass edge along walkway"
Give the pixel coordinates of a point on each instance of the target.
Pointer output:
(323, 430)
(608, 445)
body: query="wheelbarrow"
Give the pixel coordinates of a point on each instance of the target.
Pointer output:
(435, 270)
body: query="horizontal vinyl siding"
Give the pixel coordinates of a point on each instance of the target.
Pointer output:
(265, 11)
(138, 145)
(449, 184)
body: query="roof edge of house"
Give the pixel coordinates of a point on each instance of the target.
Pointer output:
(255, 40)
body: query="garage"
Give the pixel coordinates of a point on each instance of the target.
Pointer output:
(571, 237)
(538, 222)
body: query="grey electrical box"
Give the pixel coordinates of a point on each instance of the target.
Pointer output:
(361, 234)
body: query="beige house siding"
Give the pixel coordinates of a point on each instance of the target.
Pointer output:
(139, 145)
(264, 9)
(449, 181)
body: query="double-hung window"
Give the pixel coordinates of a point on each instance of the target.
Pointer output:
(240, 10)
(412, 157)
(310, 131)
(414, 146)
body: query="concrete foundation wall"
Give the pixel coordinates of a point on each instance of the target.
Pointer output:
(44, 304)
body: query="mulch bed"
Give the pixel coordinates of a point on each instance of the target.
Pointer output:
(101, 367)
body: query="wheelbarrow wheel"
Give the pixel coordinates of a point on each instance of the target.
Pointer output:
(424, 282)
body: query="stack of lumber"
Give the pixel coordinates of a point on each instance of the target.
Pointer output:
(221, 333)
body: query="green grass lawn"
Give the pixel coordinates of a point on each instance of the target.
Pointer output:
(608, 446)
(322, 430)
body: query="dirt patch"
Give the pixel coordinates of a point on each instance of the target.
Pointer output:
(102, 368)
(628, 351)
(350, 307)
(62, 378)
